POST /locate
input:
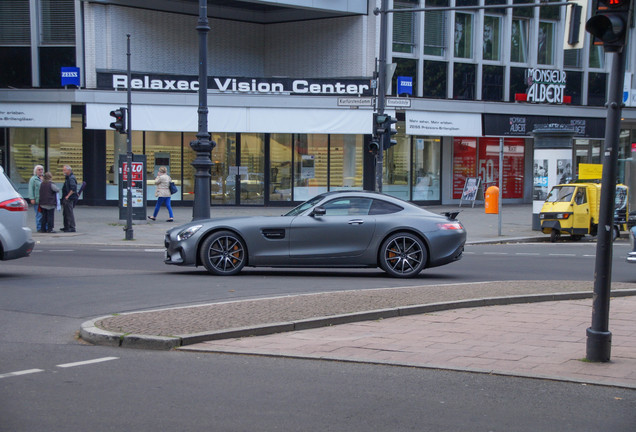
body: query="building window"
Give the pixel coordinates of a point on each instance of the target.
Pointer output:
(492, 34)
(545, 43)
(51, 61)
(435, 29)
(463, 47)
(397, 165)
(407, 68)
(427, 157)
(435, 81)
(404, 30)
(15, 41)
(16, 67)
(492, 83)
(597, 56)
(345, 156)
(464, 75)
(519, 41)
(597, 83)
(572, 58)
(573, 87)
(518, 83)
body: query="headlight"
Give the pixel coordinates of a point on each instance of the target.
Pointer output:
(188, 232)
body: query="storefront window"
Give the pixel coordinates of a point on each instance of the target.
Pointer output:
(397, 166)
(252, 168)
(463, 44)
(545, 47)
(280, 172)
(163, 149)
(427, 156)
(513, 165)
(492, 33)
(311, 165)
(464, 163)
(519, 41)
(27, 151)
(65, 148)
(222, 190)
(116, 145)
(345, 166)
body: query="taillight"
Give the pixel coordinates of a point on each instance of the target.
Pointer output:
(450, 226)
(14, 204)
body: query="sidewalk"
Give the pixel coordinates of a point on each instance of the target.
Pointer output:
(482, 327)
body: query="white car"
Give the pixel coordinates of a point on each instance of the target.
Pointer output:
(15, 236)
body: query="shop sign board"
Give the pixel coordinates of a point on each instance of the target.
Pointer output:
(442, 124)
(242, 85)
(35, 115)
(355, 101)
(398, 102)
(523, 125)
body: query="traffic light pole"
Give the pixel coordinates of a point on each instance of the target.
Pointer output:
(381, 91)
(599, 338)
(202, 145)
(129, 154)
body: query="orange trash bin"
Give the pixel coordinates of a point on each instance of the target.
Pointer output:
(492, 200)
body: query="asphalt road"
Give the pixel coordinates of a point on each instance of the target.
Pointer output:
(44, 299)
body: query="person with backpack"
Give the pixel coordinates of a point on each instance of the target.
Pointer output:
(48, 203)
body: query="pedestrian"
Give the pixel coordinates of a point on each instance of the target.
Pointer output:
(48, 202)
(34, 194)
(69, 197)
(162, 192)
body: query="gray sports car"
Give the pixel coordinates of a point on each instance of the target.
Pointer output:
(333, 229)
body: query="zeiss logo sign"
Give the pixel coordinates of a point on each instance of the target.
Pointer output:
(404, 85)
(70, 76)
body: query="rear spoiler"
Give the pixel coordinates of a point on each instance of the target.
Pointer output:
(452, 215)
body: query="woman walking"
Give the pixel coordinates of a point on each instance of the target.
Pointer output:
(162, 192)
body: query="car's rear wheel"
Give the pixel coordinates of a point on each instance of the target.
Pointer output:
(223, 253)
(403, 255)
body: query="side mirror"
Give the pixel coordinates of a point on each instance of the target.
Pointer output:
(318, 211)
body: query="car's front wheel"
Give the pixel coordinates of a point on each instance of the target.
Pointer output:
(403, 255)
(223, 253)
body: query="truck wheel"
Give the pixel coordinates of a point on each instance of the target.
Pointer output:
(555, 235)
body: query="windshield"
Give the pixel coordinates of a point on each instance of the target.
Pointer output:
(561, 194)
(304, 206)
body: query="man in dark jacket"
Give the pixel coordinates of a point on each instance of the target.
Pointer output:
(69, 196)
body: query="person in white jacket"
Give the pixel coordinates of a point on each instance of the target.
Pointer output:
(162, 192)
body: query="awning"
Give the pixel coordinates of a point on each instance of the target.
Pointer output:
(242, 119)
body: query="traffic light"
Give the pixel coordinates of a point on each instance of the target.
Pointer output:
(610, 23)
(374, 145)
(379, 126)
(388, 142)
(120, 120)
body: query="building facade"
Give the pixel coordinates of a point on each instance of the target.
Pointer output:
(291, 96)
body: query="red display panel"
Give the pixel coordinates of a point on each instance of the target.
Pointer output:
(464, 163)
(513, 168)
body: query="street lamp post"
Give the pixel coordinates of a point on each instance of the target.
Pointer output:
(202, 145)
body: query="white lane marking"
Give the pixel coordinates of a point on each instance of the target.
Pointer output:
(18, 373)
(61, 250)
(528, 253)
(155, 250)
(563, 255)
(495, 253)
(87, 362)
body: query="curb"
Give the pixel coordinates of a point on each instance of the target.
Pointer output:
(91, 333)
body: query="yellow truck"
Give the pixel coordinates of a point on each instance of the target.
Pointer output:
(573, 208)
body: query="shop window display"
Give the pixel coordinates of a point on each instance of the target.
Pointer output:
(427, 158)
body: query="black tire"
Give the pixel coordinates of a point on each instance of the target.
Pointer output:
(223, 254)
(576, 237)
(555, 235)
(403, 255)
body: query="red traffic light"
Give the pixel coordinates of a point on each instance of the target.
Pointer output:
(609, 24)
(120, 120)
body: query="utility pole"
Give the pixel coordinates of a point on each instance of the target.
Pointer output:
(129, 154)
(381, 91)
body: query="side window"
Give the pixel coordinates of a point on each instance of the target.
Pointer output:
(380, 207)
(348, 206)
(580, 197)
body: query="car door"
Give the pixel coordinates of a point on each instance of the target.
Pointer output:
(345, 230)
(580, 212)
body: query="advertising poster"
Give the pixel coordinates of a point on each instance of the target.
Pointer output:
(464, 163)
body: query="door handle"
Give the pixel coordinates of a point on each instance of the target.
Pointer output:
(355, 222)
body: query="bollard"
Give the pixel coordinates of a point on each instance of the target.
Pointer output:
(492, 200)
